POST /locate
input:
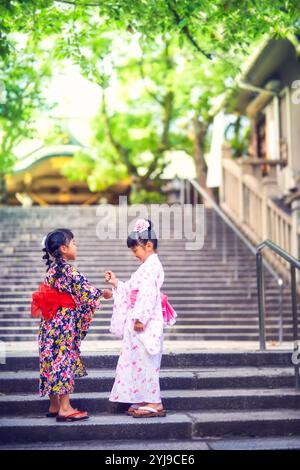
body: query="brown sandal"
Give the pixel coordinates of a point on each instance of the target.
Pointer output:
(131, 410)
(151, 412)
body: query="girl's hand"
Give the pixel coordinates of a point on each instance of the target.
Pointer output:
(107, 294)
(138, 326)
(111, 278)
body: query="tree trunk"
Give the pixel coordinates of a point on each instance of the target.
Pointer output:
(136, 183)
(200, 130)
(3, 190)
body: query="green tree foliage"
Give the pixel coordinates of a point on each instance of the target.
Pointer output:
(174, 87)
(237, 134)
(22, 76)
(209, 27)
(191, 50)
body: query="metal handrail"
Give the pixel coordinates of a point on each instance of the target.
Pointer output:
(230, 224)
(284, 254)
(260, 262)
(294, 263)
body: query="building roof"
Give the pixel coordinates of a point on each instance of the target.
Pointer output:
(262, 66)
(43, 153)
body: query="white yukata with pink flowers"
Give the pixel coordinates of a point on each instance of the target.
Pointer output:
(137, 374)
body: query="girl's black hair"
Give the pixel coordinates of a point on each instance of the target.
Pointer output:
(138, 238)
(54, 239)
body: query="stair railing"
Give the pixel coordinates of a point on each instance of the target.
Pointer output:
(189, 193)
(294, 263)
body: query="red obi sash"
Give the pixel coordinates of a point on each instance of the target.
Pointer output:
(168, 312)
(46, 301)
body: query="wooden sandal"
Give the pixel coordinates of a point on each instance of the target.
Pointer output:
(51, 414)
(131, 409)
(77, 416)
(151, 412)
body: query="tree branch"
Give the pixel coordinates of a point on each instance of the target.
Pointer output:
(78, 4)
(167, 110)
(187, 32)
(150, 93)
(160, 171)
(152, 167)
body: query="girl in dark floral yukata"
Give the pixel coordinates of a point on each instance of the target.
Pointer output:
(66, 302)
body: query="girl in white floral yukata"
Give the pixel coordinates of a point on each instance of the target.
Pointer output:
(139, 315)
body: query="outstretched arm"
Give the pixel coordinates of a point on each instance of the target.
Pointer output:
(111, 278)
(121, 294)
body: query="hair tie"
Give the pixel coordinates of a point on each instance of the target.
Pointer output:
(43, 243)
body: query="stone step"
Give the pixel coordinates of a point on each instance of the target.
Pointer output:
(167, 246)
(195, 424)
(111, 252)
(224, 358)
(272, 325)
(197, 301)
(211, 443)
(184, 311)
(121, 256)
(188, 292)
(180, 329)
(210, 288)
(19, 305)
(173, 273)
(174, 400)
(210, 337)
(105, 321)
(175, 279)
(175, 284)
(99, 380)
(178, 289)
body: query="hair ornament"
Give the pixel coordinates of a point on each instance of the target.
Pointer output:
(141, 225)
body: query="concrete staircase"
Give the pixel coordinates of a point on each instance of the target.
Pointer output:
(207, 394)
(212, 289)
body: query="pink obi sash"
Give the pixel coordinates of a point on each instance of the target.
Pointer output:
(168, 312)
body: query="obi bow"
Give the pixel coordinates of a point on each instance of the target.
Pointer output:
(169, 314)
(47, 300)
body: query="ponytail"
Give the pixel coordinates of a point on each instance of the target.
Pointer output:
(47, 258)
(52, 242)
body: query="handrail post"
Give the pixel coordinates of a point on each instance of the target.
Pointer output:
(261, 300)
(280, 313)
(295, 319)
(182, 198)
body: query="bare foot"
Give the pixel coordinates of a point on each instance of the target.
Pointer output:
(53, 410)
(134, 406)
(70, 410)
(54, 404)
